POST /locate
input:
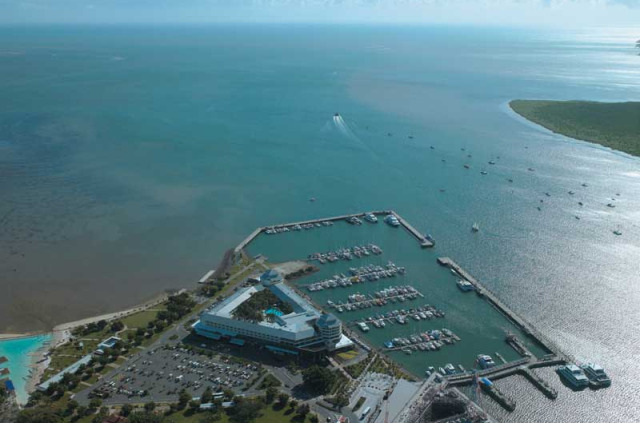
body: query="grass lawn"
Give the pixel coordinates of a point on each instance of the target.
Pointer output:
(141, 319)
(347, 355)
(613, 125)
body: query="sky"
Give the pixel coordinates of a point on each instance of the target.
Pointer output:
(565, 13)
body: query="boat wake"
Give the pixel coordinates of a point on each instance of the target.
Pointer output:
(343, 128)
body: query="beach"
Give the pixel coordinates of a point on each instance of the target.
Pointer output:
(38, 355)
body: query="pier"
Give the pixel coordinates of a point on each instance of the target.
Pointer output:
(424, 242)
(498, 396)
(502, 308)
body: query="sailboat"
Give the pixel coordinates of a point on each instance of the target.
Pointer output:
(475, 227)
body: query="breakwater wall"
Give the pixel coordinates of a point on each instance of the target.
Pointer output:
(482, 291)
(422, 239)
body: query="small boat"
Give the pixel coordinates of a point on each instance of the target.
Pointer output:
(531, 169)
(442, 190)
(577, 217)
(539, 209)
(491, 162)
(391, 220)
(467, 166)
(547, 194)
(617, 232)
(483, 172)
(571, 192)
(610, 205)
(432, 147)
(312, 199)
(580, 203)
(465, 286)
(475, 227)
(585, 185)
(510, 180)
(444, 161)
(410, 137)
(485, 361)
(336, 115)
(371, 218)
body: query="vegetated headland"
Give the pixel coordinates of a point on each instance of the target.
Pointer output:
(613, 125)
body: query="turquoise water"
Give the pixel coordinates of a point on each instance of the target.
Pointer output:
(131, 158)
(18, 352)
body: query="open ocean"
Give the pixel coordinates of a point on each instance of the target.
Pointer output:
(132, 157)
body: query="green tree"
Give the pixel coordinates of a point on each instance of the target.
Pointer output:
(211, 417)
(38, 415)
(318, 380)
(117, 326)
(194, 405)
(245, 411)
(126, 410)
(183, 399)
(72, 405)
(95, 403)
(102, 414)
(283, 399)
(207, 395)
(82, 411)
(270, 394)
(145, 417)
(150, 406)
(341, 399)
(314, 419)
(303, 410)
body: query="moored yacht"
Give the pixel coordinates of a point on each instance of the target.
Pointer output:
(573, 375)
(363, 327)
(465, 285)
(391, 220)
(485, 361)
(596, 375)
(370, 217)
(475, 227)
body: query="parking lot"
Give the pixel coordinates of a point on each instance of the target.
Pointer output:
(160, 374)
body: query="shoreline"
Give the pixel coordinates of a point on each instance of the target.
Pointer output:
(61, 334)
(508, 108)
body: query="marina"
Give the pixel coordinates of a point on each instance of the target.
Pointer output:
(380, 298)
(369, 273)
(425, 312)
(370, 285)
(347, 254)
(430, 340)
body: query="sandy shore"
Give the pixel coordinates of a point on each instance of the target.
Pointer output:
(111, 316)
(62, 333)
(40, 359)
